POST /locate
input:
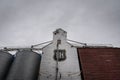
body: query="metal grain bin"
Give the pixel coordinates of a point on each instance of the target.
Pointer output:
(25, 66)
(6, 60)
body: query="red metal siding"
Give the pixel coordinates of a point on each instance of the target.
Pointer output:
(100, 63)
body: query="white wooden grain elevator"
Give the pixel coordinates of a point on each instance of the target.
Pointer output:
(59, 59)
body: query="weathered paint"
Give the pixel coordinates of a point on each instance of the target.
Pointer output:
(68, 69)
(100, 63)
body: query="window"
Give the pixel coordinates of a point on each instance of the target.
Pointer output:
(61, 55)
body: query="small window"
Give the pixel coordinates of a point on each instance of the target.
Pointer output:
(56, 32)
(59, 55)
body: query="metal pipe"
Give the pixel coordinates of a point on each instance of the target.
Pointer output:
(85, 44)
(41, 43)
(57, 53)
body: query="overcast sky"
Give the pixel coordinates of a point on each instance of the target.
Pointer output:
(27, 22)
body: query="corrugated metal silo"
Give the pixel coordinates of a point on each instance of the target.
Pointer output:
(6, 60)
(25, 66)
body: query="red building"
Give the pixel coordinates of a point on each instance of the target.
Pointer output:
(99, 63)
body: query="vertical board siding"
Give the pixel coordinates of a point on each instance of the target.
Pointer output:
(100, 63)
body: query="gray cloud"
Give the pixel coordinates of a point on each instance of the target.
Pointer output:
(26, 22)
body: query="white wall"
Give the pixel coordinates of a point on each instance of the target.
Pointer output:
(69, 68)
